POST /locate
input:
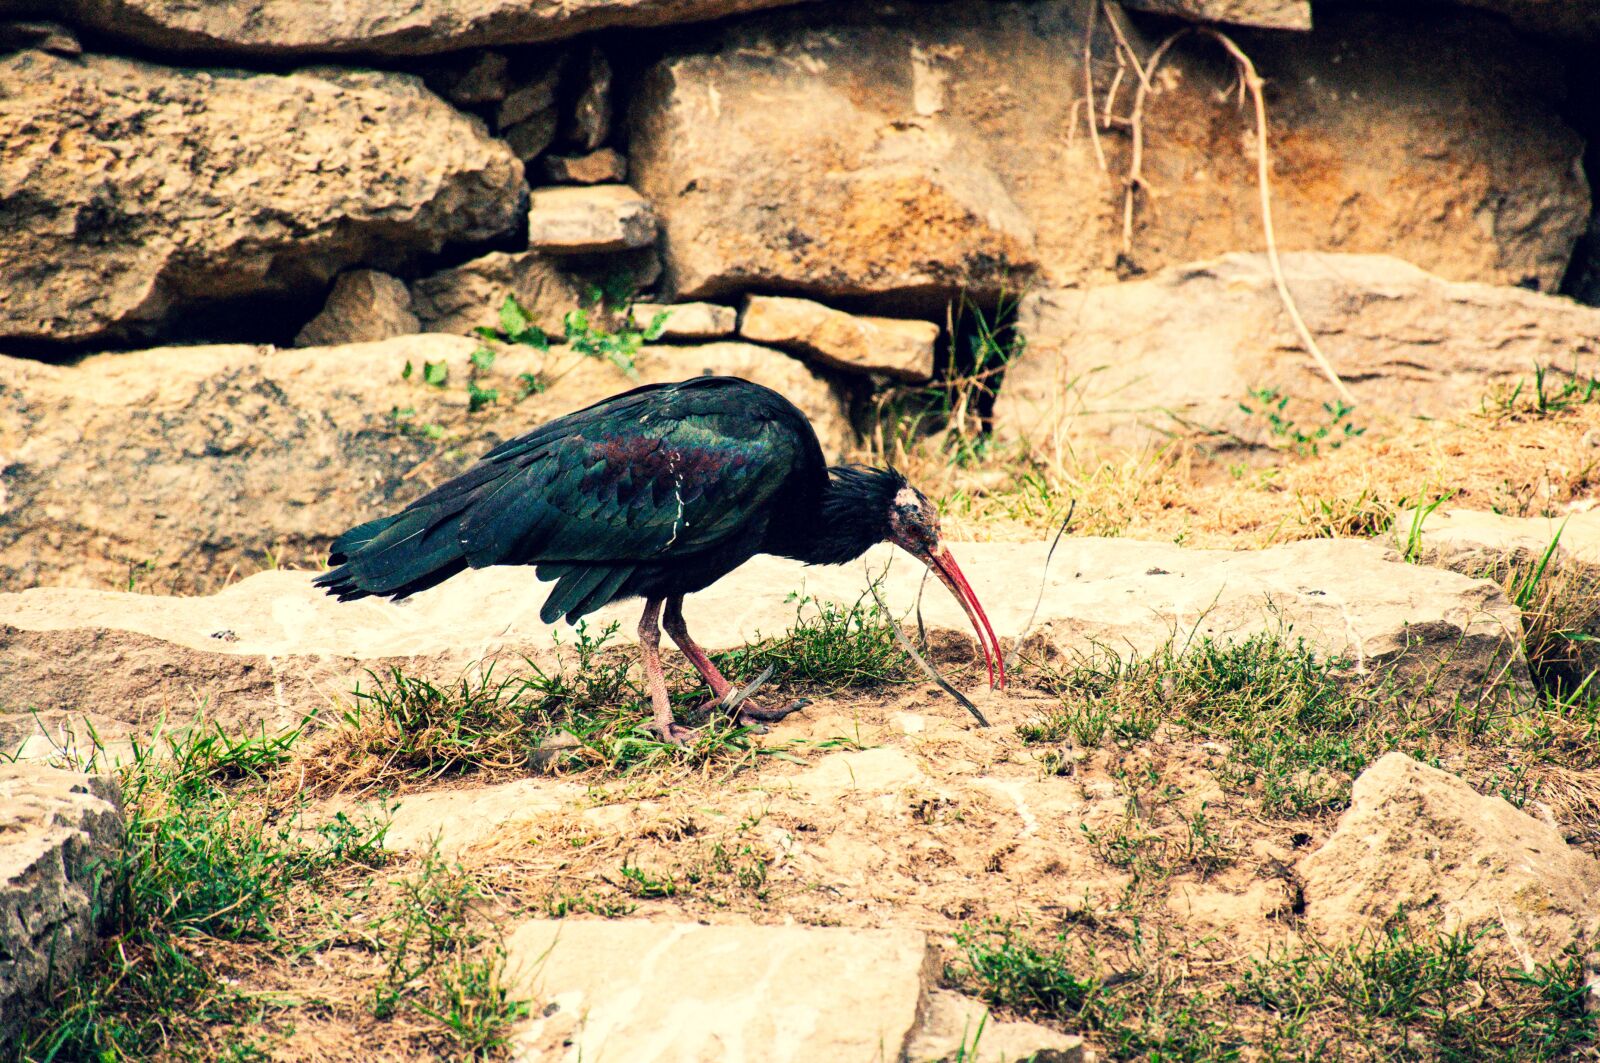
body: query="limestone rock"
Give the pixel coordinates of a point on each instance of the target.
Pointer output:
(564, 220)
(915, 115)
(1268, 14)
(411, 27)
(1575, 22)
(149, 189)
(57, 830)
(687, 321)
(680, 993)
(470, 78)
(200, 459)
(365, 305)
(271, 648)
(46, 36)
(536, 94)
(596, 168)
(1477, 543)
(1458, 861)
(529, 138)
(951, 1023)
(1133, 363)
(470, 296)
(850, 342)
(590, 122)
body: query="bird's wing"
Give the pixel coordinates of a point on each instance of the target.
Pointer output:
(657, 484)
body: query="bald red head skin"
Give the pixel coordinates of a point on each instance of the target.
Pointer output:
(914, 527)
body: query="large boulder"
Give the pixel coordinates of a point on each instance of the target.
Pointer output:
(1177, 353)
(929, 160)
(179, 466)
(272, 648)
(412, 27)
(146, 189)
(1420, 846)
(58, 832)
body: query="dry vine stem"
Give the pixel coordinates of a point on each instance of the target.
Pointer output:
(1251, 81)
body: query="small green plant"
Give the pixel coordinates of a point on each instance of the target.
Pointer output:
(833, 644)
(1006, 970)
(1334, 433)
(582, 332)
(1519, 403)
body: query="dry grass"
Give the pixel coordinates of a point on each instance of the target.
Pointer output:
(1517, 465)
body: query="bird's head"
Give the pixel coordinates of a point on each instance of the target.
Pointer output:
(902, 515)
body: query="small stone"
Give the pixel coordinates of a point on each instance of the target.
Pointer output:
(591, 113)
(595, 218)
(851, 342)
(527, 139)
(605, 166)
(470, 295)
(365, 305)
(45, 36)
(59, 829)
(688, 321)
(537, 94)
(472, 79)
(1266, 14)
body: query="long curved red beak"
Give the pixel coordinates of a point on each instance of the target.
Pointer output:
(944, 566)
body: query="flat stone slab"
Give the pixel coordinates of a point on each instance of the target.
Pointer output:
(56, 829)
(587, 219)
(854, 343)
(687, 321)
(1477, 542)
(272, 648)
(685, 993)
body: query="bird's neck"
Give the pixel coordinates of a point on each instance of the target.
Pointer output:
(837, 527)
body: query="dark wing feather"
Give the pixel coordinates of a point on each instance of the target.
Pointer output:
(659, 474)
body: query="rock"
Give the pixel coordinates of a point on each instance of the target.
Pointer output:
(1456, 860)
(956, 1027)
(270, 648)
(470, 296)
(1514, 549)
(681, 992)
(687, 321)
(1583, 280)
(849, 342)
(287, 28)
(596, 218)
(199, 460)
(1181, 350)
(1268, 14)
(149, 190)
(365, 305)
(46, 36)
(470, 78)
(58, 830)
(915, 114)
(590, 122)
(458, 819)
(596, 168)
(1576, 22)
(537, 94)
(1479, 543)
(528, 139)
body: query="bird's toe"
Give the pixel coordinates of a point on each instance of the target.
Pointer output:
(675, 734)
(752, 716)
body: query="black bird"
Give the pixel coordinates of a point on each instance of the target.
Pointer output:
(655, 493)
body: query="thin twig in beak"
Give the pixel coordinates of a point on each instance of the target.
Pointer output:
(927, 669)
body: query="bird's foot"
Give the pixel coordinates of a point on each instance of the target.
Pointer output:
(674, 734)
(746, 714)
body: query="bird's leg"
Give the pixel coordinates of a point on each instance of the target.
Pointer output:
(672, 620)
(747, 714)
(650, 648)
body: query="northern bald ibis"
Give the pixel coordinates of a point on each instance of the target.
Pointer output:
(655, 493)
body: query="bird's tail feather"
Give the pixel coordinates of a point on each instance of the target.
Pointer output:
(581, 589)
(398, 555)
